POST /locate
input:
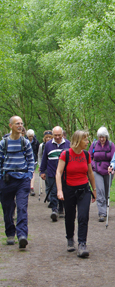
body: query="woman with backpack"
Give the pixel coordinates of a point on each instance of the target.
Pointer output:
(101, 152)
(75, 189)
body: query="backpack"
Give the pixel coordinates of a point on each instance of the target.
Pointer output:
(23, 146)
(94, 144)
(67, 160)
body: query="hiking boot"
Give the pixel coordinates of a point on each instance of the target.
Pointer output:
(70, 245)
(10, 240)
(23, 242)
(102, 218)
(54, 215)
(32, 193)
(82, 250)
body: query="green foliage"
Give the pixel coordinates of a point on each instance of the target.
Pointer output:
(57, 63)
(112, 191)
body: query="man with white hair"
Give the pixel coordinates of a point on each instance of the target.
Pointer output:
(51, 154)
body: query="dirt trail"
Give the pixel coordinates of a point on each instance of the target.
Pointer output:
(46, 262)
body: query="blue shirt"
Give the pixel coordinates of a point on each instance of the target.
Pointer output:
(16, 159)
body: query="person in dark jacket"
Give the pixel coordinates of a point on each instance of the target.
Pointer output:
(35, 146)
(50, 157)
(101, 153)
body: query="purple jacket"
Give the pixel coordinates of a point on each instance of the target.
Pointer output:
(101, 157)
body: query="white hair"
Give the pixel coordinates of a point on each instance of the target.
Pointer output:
(30, 133)
(102, 131)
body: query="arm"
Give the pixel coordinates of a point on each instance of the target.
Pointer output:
(92, 180)
(60, 169)
(43, 165)
(30, 159)
(40, 154)
(111, 168)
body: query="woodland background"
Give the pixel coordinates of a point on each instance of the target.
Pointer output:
(57, 61)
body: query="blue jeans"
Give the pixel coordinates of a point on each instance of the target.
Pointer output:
(20, 189)
(83, 205)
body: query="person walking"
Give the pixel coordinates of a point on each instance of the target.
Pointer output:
(16, 171)
(47, 136)
(50, 157)
(101, 152)
(35, 146)
(75, 190)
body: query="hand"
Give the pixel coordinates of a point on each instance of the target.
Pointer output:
(43, 176)
(60, 195)
(94, 199)
(110, 170)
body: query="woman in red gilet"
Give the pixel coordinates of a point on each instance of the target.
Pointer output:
(76, 190)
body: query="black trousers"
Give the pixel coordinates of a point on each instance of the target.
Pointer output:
(82, 201)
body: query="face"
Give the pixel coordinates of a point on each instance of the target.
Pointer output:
(84, 143)
(30, 138)
(102, 140)
(16, 125)
(57, 135)
(48, 138)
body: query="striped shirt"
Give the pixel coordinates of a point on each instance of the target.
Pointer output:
(51, 155)
(15, 159)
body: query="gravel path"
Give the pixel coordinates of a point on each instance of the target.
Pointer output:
(46, 262)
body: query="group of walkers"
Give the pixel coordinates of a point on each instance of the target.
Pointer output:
(72, 176)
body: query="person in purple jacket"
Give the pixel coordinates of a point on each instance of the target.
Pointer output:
(101, 152)
(50, 157)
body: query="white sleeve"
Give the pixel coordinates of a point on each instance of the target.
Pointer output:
(40, 153)
(113, 161)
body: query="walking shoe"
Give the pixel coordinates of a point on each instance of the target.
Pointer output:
(10, 240)
(54, 215)
(82, 250)
(22, 242)
(70, 245)
(32, 193)
(102, 218)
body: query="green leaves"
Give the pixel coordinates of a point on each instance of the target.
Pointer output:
(57, 60)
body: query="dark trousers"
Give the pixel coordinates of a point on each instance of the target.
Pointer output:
(83, 204)
(53, 193)
(20, 189)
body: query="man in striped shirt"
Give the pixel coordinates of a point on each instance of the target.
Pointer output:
(16, 171)
(50, 157)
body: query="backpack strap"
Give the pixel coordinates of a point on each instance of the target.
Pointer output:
(23, 144)
(110, 142)
(87, 155)
(66, 163)
(5, 147)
